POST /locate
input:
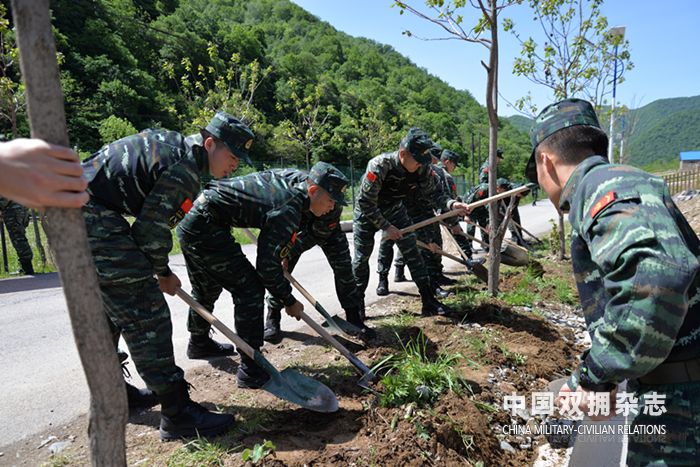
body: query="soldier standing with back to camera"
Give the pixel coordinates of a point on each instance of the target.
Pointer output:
(635, 260)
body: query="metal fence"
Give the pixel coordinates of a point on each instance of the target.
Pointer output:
(681, 181)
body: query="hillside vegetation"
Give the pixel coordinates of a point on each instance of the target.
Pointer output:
(309, 91)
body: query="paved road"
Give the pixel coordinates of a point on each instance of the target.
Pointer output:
(42, 382)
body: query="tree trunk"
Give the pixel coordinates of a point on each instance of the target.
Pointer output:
(66, 233)
(492, 108)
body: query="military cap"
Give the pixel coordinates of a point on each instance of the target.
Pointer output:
(448, 155)
(436, 151)
(330, 179)
(503, 182)
(234, 133)
(555, 117)
(419, 145)
(499, 153)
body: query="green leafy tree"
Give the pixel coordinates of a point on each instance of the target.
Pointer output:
(575, 58)
(448, 16)
(12, 102)
(113, 128)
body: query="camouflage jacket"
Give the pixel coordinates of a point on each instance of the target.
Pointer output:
(386, 182)
(635, 262)
(274, 201)
(479, 192)
(153, 176)
(484, 172)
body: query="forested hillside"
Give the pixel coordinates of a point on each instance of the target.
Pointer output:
(308, 90)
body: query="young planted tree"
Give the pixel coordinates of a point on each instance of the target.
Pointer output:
(576, 57)
(308, 125)
(447, 15)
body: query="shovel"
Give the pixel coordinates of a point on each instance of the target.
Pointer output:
(479, 270)
(511, 254)
(289, 385)
(367, 375)
(334, 322)
(476, 204)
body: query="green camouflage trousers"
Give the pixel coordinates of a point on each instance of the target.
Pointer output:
(680, 445)
(216, 262)
(133, 301)
(363, 237)
(16, 219)
(337, 253)
(428, 234)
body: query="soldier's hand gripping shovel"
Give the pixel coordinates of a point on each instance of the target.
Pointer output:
(367, 375)
(476, 204)
(289, 385)
(336, 323)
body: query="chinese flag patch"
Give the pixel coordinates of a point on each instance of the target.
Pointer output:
(186, 205)
(294, 238)
(332, 225)
(608, 198)
(371, 177)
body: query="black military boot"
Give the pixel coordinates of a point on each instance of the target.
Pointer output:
(135, 397)
(181, 417)
(353, 317)
(273, 332)
(444, 280)
(26, 267)
(399, 275)
(431, 306)
(383, 286)
(250, 375)
(203, 346)
(437, 290)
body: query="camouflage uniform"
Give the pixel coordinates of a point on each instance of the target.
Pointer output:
(479, 215)
(274, 201)
(450, 187)
(325, 232)
(636, 261)
(16, 219)
(381, 204)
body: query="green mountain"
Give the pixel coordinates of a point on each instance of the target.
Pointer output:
(308, 91)
(521, 122)
(662, 129)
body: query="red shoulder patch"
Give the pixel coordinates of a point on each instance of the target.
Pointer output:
(608, 198)
(454, 187)
(332, 225)
(486, 170)
(186, 205)
(481, 193)
(371, 176)
(294, 238)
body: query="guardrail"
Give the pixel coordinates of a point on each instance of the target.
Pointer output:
(681, 181)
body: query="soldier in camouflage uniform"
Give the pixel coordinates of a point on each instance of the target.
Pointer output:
(325, 232)
(154, 176)
(448, 162)
(16, 219)
(484, 169)
(277, 205)
(380, 206)
(636, 262)
(417, 211)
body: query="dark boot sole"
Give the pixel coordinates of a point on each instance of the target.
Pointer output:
(206, 355)
(274, 338)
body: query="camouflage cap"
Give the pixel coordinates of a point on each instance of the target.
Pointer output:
(436, 151)
(503, 183)
(448, 155)
(234, 133)
(330, 179)
(555, 117)
(419, 145)
(499, 153)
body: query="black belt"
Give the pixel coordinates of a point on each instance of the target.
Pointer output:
(673, 373)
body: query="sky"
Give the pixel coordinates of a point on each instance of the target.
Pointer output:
(663, 36)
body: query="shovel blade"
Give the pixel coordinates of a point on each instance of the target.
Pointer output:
(339, 324)
(481, 273)
(299, 389)
(515, 256)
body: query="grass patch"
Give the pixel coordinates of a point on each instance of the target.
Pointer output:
(514, 358)
(58, 460)
(481, 344)
(13, 259)
(412, 377)
(198, 452)
(464, 300)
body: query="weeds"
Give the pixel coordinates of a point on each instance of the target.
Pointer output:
(412, 377)
(198, 452)
(515, 358)
(259, 452)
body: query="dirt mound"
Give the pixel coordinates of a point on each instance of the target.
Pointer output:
(691, 210)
